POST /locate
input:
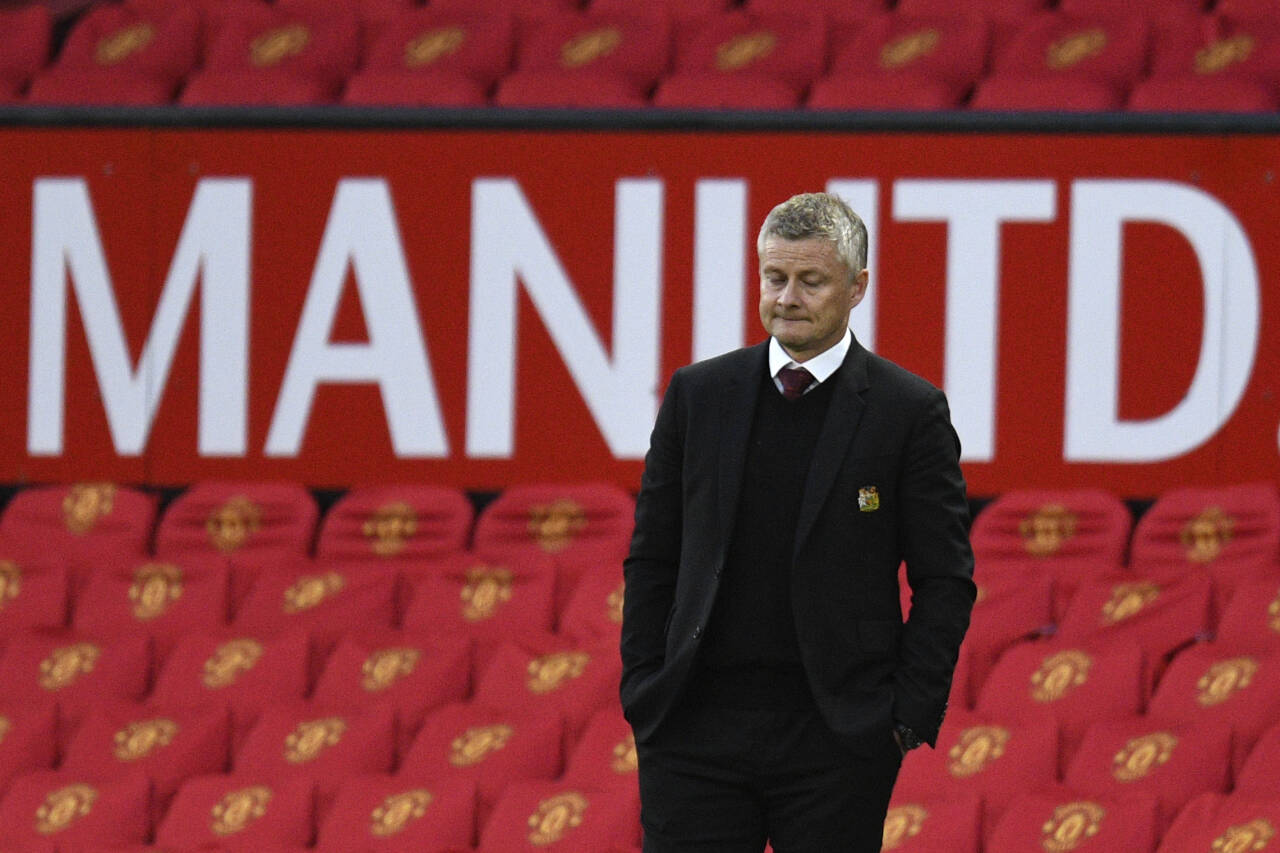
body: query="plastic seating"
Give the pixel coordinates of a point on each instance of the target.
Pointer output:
(394, 813)
(678, 11)
(532, 816)
(29, 743)
(943, 47)
(395, 524)
(1012, 606)
(1251, 620)
(1260, 10)
(34, 592)
(160, 44)
(525, 11)
(469, 597)
(594, 611)
(1257, 775)
(1221, 47)
(51, 807)
(122, 88)
(1108, 50)
(1202, 94)
(1067, 821)
(880, 92)
(990, 9)
(787, 48)
(568, 89)
(635, 49)
(245, 811)
(371, 14)
(835, 11)
(407, 88)
(1040, 95)
(931, 825)
(26, 35)
(605, 756)
(725, 92)
(1218, 822)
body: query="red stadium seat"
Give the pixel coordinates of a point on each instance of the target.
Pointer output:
(213, 13)
(835, 11)
(889, 46)
(594, 611)
(239, 813)
(399, 815)
(1153, 10)
(1224, 824)
(787, 48)
(30, 737)
(372, 14)
(411, 88)
(741, 91)
(472, 42)
(636, 49)
(1076, 686)
(465, 596)
(1063, 48)
(1206, 684)
(1035, 823)
(76, 671)
(248, 673)
(33, 593)
(678, 11)
(1202, 94)
(1045, 95)
(412, 674)
(1018, 10)
(605, 756)
(568, 89)
(64, 809)
(169, 746)
(1138, 756)
(395, 524)
(157, 599)
(87, 523)
(545, 677)
(163, 45)
(239, 519)
(26, 34)
(1224, 46)
(537, 816)
(1258, 775)
(85, 88)
(1012, 606)
(487, 747)
(1251, 620)
(852, 91)
(1253, 10)
(933, 825)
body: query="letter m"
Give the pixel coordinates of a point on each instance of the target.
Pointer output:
(212, 249)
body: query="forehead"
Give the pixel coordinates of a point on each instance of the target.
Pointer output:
(807, 253)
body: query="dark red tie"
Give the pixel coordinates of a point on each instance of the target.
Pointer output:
(795, 381)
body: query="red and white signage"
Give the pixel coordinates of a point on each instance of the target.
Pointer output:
(479, 308)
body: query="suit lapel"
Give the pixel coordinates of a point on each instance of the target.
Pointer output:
(838, 429)
(738, 399)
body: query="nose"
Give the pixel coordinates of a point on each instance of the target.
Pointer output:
(790, 294)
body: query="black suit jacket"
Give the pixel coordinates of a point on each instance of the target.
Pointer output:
(886, 430)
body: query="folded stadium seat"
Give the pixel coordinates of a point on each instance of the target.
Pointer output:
(394, 524)
(1221, 46)
(30, 737)
(304, 739)
(1006, 17)
(54, 807)
(87, 523)
(168, 745)
(524, 11)
(75, 671)
(1202, 95)
(410, 673)
(33, 592)
(678, 11)
(537, 816)
(486, 746)
(1066, 820)
(26, 35)
(1041, 94)
(239, 812)
(567, 89)
(1225, 824)
(905, 91)
(371, 14)
(545, 677)
(788, 49)
(1258, 774)
(1251, 620)
(492, 601)
(941, 47)
(578, 528)
(109, 39)
(277, 56)
(692, 90)
(605, 756)
(1228, 533)
(594, 611)
(1068, 534)
(163, 600)
(324, 599)
(1012, 606)
(247, 673)
(835, 11)
(1158, 617)
(1207, 684)
(932, 825)
(1139, 756)
(1075, 685)
(99, 88)
(981, 756)
(394, 814)
(1256, 10)
(435, 56)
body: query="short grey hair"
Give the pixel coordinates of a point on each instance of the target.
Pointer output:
(820, 215)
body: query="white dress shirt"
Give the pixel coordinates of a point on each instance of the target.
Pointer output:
(820, 367)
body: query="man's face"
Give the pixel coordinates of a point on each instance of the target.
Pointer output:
(806, 294)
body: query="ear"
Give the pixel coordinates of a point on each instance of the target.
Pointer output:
(859, 287)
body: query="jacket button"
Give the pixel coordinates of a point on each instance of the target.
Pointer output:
(697, 632)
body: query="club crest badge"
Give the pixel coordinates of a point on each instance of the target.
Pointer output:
(140, 739)
(64, 807)
(1207, 534)
(1273, 609)
(154, 587)
(390, 527)
(613, 604)
(66, 664)
(476, 743)
(624, 755)
(1072, 824)
(231, 659)
(1250, 837)
(385, 667)
(398, 811)
(1059, 674)
(10, 582)
(311, 590)
(555, 525)
(901, 824)
(868, 499)
(5, 725)
(85, 503)
(486, 589)
(1141, 755)
(556, 816)
(976, 748)
(231, 524)
(239, 809)
(1127, 600)
(309, 739)
(1224, 679)
(550, 672)
(1044, 531)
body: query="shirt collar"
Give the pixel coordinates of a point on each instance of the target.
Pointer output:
(821, 366)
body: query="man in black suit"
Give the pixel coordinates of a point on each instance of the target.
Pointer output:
(771, 683)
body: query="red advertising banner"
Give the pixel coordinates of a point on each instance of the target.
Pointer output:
(479, 308)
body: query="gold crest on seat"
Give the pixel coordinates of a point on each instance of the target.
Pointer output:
(85, 503)
(614, 603)
(66, 664)
(230, 525)
(1059, 674)
(433, 45)
(1273, 614)
(549, 672)
(556, 816)
(10, 582)
(310, 738)
(275, 46)
(1246, 838)
(585, 48)
(1223, 53)
(64, 807)
(1224, 679)
(976, 749)
(239, 809)
(902, 823)
(1075, 48)
(5, 726)
(385, 667)
(154, 587)
(485, 590)
(909, 47)
(390, 527)
(740, 51)
(1127, 600)
(476, 743)
(310, 590)
(555, 525)
(225, 666)
(1207, 534)
(1141, 755)
(398, 811)
(118, 46)
(1072, 824)
(624, 755)
(140, 739)
(1045, 531)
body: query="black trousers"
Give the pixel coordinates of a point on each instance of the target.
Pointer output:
(726, 780)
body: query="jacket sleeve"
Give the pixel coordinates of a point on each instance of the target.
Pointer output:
(934, 541)
(652, 565)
